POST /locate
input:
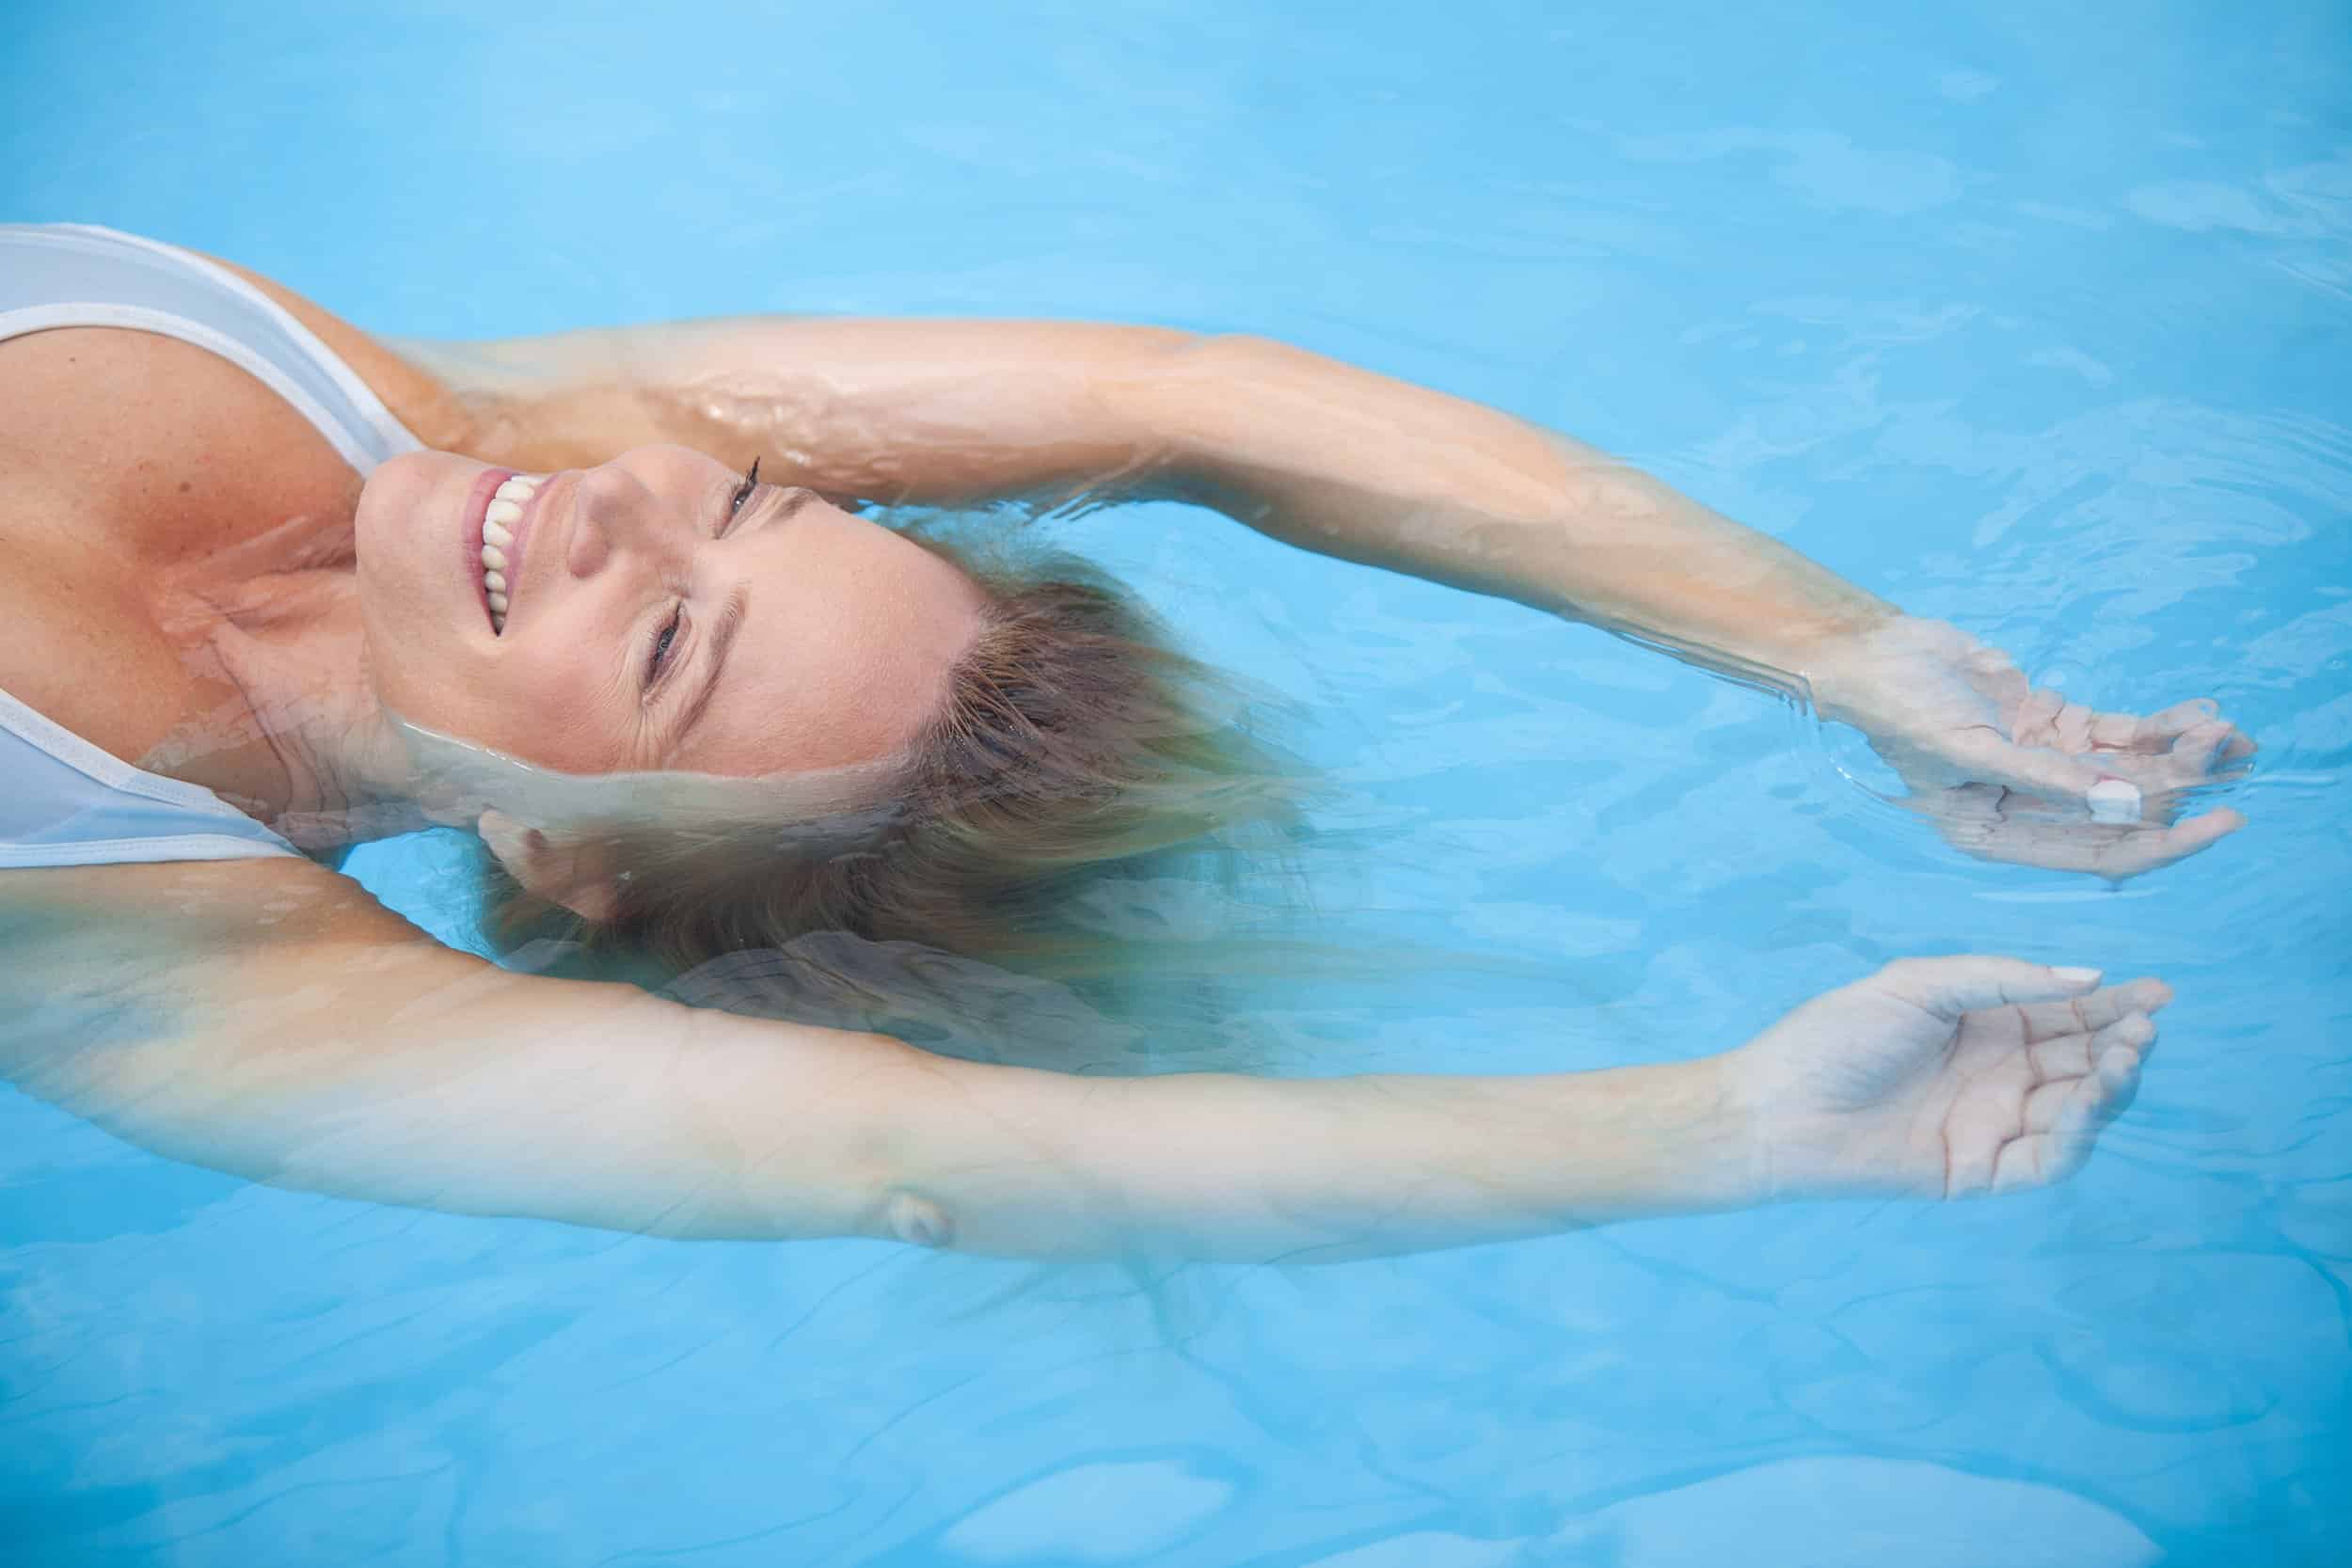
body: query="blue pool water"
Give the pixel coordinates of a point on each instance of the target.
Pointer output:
(2036, 318)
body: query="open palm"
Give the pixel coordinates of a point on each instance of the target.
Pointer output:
(2003, 767)
(1943, 1078)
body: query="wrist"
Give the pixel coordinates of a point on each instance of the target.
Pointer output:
(1738, 1134)
(1849, 673)
(1756, 1147)
(1684, 1140)
(1837, 633)
(1792, 1149)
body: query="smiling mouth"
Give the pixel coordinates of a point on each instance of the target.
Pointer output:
(498, 556)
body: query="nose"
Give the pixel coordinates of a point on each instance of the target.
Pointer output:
(603, 507)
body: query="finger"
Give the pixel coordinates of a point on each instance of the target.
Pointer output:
(2157, 731)
(2060, 1061)
(2191, 760)
(2088, 1015)
(2120, 732)
(2118, 1081)
(2158, 734)
(1950, 988)
(2193, 756)
(2074, 1114)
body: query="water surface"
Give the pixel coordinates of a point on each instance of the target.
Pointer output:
(2034, 320)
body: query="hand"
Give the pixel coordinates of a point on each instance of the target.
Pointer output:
(1942, 1078)
(2003, 767)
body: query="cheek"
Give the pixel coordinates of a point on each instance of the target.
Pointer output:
(550, 701)
(550, 707)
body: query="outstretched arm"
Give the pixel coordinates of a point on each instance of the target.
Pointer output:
(1359, 465)
(362, 1059)
(1310, 450)
(279, 1026)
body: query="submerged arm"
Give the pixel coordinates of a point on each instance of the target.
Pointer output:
(361, 1059)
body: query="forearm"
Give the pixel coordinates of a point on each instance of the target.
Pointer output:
(921, 412)
(1003, 1161)
(1355, 464)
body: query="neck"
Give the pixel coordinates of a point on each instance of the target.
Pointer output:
(298, 742)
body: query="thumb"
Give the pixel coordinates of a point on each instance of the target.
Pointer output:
(1950, 987)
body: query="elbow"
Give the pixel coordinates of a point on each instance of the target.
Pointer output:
(1226, 355)
(900, 1201)
(1175, 409)
(916, 1219)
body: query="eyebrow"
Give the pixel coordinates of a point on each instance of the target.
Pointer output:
(722, 638)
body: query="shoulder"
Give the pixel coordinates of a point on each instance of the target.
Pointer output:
(419, 395)
(550, 401)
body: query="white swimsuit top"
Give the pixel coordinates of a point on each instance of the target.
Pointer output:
(64, 801)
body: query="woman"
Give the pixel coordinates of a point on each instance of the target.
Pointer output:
(324, 587)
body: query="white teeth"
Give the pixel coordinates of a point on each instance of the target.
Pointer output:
(505, 509)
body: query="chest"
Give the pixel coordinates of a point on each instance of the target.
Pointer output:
(131, 467)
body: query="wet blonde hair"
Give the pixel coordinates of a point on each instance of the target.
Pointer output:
(1077, 768)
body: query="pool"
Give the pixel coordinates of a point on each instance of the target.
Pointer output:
(2036, 320)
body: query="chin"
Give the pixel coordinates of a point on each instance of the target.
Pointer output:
(390, 497)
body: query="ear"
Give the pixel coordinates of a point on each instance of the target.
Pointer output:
(574, 875)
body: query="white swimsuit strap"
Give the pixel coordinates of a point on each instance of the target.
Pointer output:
(219, 311)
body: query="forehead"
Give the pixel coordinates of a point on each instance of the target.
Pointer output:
(847, 638)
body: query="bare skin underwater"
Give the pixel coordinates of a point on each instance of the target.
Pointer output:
(229, 604)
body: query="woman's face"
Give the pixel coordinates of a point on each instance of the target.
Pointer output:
(660, 617)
